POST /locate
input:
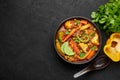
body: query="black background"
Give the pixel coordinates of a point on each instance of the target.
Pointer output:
(26, 40)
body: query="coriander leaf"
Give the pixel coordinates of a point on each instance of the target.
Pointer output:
(93, 34)
(59, 39)
(102, 20)
(76, 40)
(107, 16)
(101, 9)
(67, 32)
(94, 15)
(93, 47)
(82, 54)
(77, 22)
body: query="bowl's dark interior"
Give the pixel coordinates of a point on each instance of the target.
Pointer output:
(83, 61)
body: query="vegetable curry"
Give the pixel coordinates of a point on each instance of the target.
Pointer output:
(77, 40)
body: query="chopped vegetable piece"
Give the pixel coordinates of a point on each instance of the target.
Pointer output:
(59, 39)
(69, 35)
(83, 38)
(58, 46)
(82, 54)
(85, 26)
(68, 25)
(93, 34)
(67, 32)
(60, 36)
(83, 46)
(83, 21)
(74, 46)
(76, 40)
(95, 40)
(77, 22)
(91, 53)
(93, 48)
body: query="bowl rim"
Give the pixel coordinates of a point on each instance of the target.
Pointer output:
(78, 17)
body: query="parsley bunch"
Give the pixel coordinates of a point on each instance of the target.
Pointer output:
(107, 17)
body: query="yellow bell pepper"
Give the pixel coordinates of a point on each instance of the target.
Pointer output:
(112, 47)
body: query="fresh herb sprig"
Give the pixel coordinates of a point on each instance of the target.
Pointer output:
(107, 17)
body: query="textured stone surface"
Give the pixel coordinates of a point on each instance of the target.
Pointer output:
(26, 40)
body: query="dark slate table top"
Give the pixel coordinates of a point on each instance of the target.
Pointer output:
(26, 40)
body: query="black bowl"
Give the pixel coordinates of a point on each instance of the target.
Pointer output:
(100, 37)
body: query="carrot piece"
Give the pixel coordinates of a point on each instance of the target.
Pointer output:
(91, 53)
(69, 35)
(83, 22)
(74, 46)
